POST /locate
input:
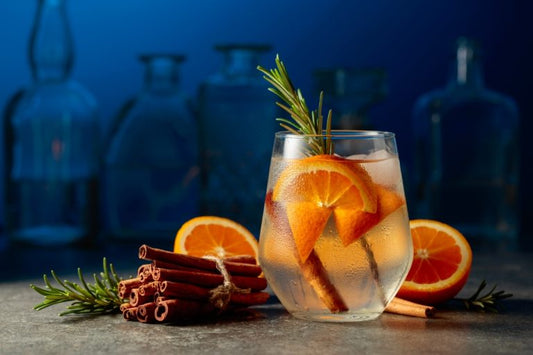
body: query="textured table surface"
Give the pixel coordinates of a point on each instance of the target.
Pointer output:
(270, 329)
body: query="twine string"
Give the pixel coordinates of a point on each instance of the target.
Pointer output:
(220, 296)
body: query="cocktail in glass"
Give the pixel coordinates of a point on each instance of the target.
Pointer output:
(335, 243)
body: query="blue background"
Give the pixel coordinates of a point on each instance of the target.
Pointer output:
(411, 39)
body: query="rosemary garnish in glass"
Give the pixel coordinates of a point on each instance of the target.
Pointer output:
(304, 121)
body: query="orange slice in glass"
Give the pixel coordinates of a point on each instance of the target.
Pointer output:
(441, 264)
(312, 189)
(353, 224)
(215, 236)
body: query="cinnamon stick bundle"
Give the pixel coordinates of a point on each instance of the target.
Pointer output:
(174, 286)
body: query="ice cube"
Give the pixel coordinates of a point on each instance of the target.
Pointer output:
(383, 167)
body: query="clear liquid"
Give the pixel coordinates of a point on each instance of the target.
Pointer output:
(51, 212)
(348, 268)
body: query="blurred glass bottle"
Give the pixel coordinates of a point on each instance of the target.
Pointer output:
(467, 155)
(237, 121)
(51, 143)
(151, 173)
(350, 93)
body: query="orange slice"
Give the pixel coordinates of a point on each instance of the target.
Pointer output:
(353, 224)
(216, 236)
(311, 189)
(441, 264)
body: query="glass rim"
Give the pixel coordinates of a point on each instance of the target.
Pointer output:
(340, 134)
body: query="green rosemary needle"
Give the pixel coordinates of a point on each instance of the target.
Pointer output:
(303, 121)
(98, 298)
(488, 302)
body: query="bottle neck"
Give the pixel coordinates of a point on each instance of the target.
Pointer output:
(240, 63)
(467, 69)
(51, 49)
(162, 72)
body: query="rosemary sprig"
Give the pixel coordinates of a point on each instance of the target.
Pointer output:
(489, 302)
(303, 121)
(98, 298)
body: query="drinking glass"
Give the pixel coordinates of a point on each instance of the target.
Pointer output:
(335, 243)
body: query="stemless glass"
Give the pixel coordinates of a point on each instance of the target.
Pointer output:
(335, 243)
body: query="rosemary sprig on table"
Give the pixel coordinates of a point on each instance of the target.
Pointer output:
(98, 298)
(303, 121)
(488, 302)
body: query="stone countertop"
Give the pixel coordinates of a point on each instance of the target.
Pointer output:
(269, 329)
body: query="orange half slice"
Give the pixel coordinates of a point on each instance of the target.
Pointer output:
(311, 189)
(215, 236)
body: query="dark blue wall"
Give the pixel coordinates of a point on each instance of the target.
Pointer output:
(411, 39)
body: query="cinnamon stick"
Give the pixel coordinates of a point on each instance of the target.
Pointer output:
(249, 299)
(130, 313)
(137, 299)
(192, 292)
(125, 287)
(146, 276)
(158, 299)
(314, 272)
(408, 308)
(135, 282)
(143, 268)
(183, 290)
(146, 312)
(149, 289)
(158, 264)
(207, 279)
(235, 268)
(124, 306)
(124, 293)
(246, 259)
(173, 310)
